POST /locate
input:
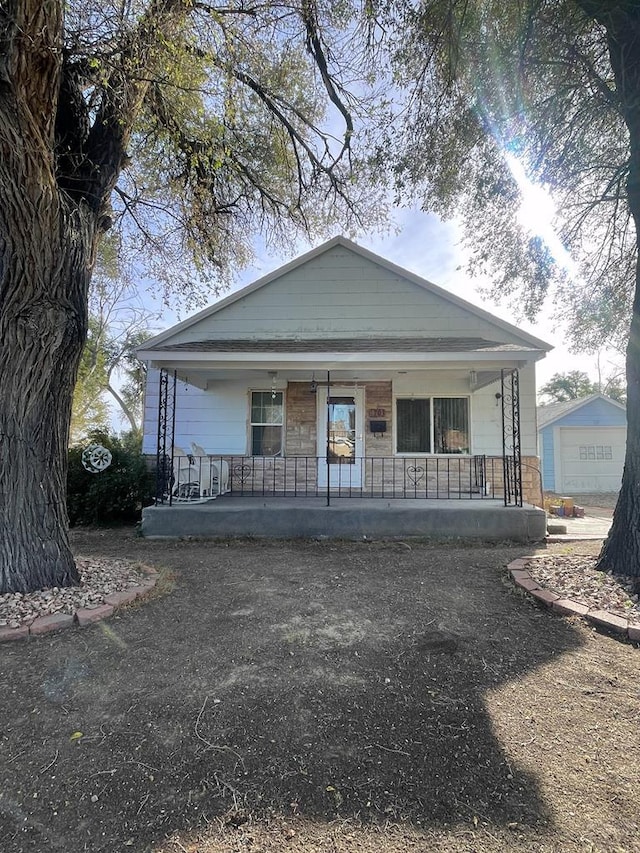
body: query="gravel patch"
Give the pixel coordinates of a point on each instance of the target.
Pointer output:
(98, 578)
(576, 577)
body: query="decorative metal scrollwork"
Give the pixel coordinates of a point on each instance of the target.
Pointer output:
(166, 425)
(415, 473)
(242, 473)
(511, 452)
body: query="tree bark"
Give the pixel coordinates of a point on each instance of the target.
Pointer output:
(45, 254)
(621, 551)
(56, 178)
(45, 250)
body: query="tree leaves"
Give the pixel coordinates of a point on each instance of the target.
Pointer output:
(209, 125)
(534, 81)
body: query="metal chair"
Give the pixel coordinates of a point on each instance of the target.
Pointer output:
(186, 482)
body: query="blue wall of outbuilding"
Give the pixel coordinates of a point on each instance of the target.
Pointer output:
(546, 450)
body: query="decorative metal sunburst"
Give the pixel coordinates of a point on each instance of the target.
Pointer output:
(95, 458)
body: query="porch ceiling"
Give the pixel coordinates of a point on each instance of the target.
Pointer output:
(348, 360)
(339, 374)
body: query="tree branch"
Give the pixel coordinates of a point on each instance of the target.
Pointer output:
(314, 46)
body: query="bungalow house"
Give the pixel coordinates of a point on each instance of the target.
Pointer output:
(338, 377)
(582, 445)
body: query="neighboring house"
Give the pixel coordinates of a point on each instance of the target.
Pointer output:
(342, 373)
(582, 445)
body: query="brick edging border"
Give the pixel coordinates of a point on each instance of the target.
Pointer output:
(617, 625)
(83, 615)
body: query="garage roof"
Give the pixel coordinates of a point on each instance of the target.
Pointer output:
(555, 411)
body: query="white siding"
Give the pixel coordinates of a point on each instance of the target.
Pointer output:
(150, 423)
(528, 423)
(341, 294)
(486, 424)
(216, 419)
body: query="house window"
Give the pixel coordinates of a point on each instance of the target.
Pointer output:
(432, 425)
(266, 423)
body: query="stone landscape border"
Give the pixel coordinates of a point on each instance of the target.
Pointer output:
(83, 615)
(609, 622)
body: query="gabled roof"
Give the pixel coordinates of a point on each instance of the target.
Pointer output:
(529, 341)
(373, 344)
(555, 411)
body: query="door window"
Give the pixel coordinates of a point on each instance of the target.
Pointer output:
(341, 421)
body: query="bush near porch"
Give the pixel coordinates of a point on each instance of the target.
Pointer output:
(115, 495)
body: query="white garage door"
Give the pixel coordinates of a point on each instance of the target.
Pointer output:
(590, 459)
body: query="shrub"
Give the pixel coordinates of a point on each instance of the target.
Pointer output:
(116, 494)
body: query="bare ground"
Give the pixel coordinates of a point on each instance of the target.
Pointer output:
(321, 697)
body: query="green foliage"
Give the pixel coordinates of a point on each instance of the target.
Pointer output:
(497, 90)
(227, 130)
(568, 386)
(576, 384)
(90, 411)
(616, 388)
(118, 323)
(115, 495)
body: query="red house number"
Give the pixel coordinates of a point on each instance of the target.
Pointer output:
(377, 413)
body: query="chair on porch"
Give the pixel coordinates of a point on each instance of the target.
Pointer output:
(186, 480)
(214, 475)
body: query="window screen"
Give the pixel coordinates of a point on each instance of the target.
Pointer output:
(413, 426)
(451, 424)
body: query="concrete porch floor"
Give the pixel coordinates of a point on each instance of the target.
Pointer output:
(346, 518)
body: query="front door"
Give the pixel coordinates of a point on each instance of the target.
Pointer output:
(340, 445)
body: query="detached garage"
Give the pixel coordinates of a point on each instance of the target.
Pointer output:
(582, 445)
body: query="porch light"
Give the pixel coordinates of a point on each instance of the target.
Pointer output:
(313, 388)
(473, 379)
(274, 375)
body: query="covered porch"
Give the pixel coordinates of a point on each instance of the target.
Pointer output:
(326, 450)
(423, 427)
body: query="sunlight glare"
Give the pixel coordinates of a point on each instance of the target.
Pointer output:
(537, 212)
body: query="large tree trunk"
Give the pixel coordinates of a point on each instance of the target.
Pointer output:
(621, 551)
(46, 244)
(45, 268)
(58, 166)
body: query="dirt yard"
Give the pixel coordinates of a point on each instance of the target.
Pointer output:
(321, 697)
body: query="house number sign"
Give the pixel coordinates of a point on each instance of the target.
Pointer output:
(377, 413)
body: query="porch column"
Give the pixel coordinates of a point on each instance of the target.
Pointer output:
(328, 445)
(511, 455)
(166, 429)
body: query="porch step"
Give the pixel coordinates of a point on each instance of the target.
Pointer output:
(283, 518)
